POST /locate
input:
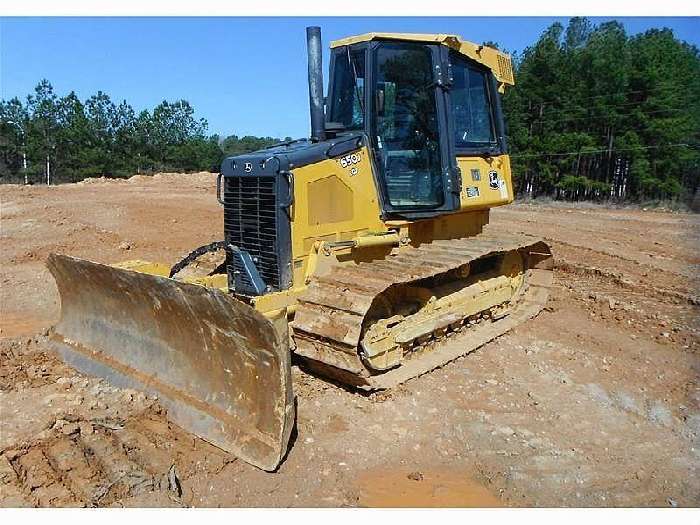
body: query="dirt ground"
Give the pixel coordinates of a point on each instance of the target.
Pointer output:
(595, 402)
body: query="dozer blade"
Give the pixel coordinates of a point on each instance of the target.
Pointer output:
(215, 363)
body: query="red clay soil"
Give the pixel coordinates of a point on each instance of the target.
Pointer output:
(593, 403)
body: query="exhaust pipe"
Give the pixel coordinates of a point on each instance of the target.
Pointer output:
(318, 118)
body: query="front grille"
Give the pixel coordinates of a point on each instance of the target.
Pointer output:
(250, 223)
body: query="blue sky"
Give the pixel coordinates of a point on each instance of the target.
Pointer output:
(244, 75)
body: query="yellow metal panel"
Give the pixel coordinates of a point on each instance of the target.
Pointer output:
(271, 302)
(151, 268)
(500, 63)
(476, 192)
(329, 201)
(219, 280)
(451, 226)
(351, 234)
(416, 37)
(352, 210)
(336, 200)
(310, 241)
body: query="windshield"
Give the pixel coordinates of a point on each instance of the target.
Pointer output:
(407, 139)
(471, 106)
(346, 107)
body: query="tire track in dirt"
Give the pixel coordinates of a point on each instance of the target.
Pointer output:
(87, 444)
(80, 462)
(84, 463)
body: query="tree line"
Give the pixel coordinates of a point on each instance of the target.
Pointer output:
(601, 115)
(52, 139)
(595, 114)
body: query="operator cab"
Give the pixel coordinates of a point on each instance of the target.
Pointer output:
(421, 104)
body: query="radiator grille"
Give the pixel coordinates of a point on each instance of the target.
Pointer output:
(250, 222)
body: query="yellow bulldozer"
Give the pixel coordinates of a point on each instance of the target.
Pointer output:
(363, 251)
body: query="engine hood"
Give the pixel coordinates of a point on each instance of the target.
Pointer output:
(287, 156)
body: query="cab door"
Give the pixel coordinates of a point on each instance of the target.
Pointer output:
(408, 130)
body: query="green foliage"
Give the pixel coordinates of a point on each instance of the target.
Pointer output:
(599, 114)
(580, 187)
(233, 145)
(595, 114)
(73, 140)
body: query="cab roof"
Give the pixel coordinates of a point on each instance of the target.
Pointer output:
(500, 63)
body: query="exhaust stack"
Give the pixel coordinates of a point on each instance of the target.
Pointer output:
(318, 118)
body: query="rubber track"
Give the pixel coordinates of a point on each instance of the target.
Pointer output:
(327, 325)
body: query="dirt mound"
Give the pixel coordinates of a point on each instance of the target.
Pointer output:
(201, 176)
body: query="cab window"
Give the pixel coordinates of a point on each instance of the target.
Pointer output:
(346, 106)
(471, 106)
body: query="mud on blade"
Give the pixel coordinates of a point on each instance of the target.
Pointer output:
(215, 363)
